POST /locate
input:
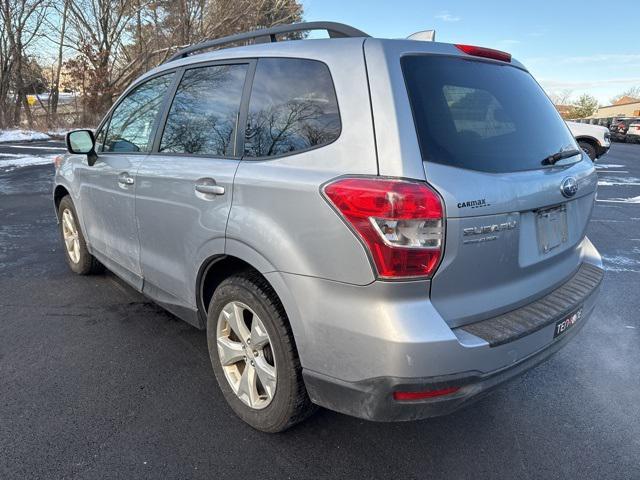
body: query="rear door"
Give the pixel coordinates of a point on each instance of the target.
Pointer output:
(185, 185)
(515, 223)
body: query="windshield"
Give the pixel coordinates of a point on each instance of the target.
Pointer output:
(482, 115)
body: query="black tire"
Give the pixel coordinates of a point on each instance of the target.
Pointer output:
(590, 149)
(290, 403)
(87, 264)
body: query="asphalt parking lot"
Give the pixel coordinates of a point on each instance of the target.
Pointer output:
(98, 382)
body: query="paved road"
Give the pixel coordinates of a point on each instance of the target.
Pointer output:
(97, 382)
(42, 147)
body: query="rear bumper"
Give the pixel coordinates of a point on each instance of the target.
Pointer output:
(373, 399)
(416, 355)
(359, 344)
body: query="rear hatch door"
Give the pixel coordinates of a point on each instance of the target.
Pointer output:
(515, 218)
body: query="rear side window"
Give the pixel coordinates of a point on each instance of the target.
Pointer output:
(481, 115)
(293, 107)
(203, 115)
(133, 119)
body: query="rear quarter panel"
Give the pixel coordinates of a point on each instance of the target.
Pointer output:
(278, 216)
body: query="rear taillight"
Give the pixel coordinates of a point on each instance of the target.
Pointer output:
(400, 222)
(485, 52)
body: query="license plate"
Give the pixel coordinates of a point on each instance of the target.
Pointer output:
(567, 322)
(551, 224)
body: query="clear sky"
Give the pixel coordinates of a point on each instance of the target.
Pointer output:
(585, 46)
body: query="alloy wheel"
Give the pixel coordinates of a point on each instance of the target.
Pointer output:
(71, 236)
(246, 355)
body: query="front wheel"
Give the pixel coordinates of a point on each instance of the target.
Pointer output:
(254, 356)
(78, 257)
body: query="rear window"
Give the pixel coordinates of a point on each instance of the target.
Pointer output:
(481, 115)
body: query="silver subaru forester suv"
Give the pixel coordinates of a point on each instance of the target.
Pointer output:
(385, 228)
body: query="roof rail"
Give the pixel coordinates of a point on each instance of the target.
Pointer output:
(266, 35)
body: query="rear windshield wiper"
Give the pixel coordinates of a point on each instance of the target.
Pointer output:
(552, 159)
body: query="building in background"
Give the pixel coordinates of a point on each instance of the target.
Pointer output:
(624, 107)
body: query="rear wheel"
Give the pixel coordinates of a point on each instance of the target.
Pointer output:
(254, 356)
(75, 247)
(590, 149)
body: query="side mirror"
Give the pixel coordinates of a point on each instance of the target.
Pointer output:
(82, 142)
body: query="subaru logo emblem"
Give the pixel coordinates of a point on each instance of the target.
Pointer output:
(569, 187)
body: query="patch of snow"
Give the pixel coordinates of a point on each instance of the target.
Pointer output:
(21, 135)
(621, 200)
(18, 161)
(602, 166)
(610, 181)
(62, 132)
(38, 147)
(620, 263)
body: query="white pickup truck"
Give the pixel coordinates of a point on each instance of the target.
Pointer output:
(593, 139)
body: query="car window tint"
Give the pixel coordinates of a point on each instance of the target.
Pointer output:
(293, 107)
(481, 115)
(132, 120)
(202, 118)
(476, 110)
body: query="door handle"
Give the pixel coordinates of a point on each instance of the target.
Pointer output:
(125, 179)
(208, 186)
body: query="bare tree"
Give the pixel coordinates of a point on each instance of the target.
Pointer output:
(99, 34)
(561, 97)
(633, 92)
(171, 24)
(113, 42)
(21, 20)
(54, 93)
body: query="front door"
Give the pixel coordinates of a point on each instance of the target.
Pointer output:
(107, 192)
(184, 188)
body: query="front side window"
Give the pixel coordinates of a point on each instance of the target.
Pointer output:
(292, 107)
(203, 115)
(132, 121)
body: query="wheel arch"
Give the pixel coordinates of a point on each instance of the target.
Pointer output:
(59, 192)
(238, 257)
(592, 140)
(213, 271)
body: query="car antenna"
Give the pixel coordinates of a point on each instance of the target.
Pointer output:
(423, 35)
